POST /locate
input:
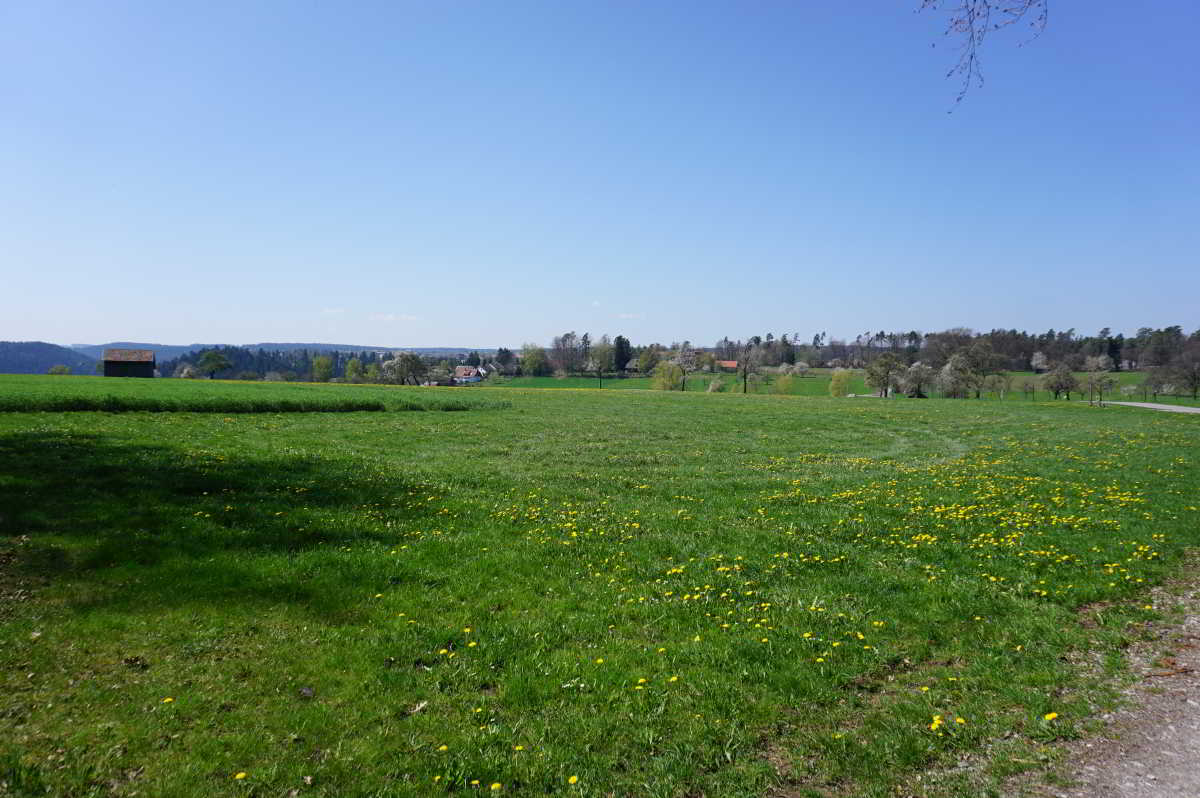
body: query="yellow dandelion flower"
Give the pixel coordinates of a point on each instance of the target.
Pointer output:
(573, 780)
(168, 700)
(1050, 716)
(443, 748)
(497, 786)
(239, 776)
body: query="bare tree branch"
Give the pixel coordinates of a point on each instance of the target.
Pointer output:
(973, 20)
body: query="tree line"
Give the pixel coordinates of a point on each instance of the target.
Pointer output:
(1015, 350)
(956, 362)
(302, 365)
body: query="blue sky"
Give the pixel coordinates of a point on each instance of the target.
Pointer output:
(488, 173)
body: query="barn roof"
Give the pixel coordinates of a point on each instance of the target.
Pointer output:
(129, 355)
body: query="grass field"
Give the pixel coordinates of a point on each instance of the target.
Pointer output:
(26, 392)
(575, 593)
(816, 383)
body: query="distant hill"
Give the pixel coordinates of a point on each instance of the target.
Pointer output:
(429, 350)
(36, 357)
(161, 351)
(283, 347)
(171, 351)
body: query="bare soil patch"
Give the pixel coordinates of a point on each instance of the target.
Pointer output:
(1150, 746)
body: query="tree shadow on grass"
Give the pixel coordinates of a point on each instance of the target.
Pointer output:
(131, 524)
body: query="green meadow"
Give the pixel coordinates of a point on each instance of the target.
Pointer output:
(631, 593)
(816, 383)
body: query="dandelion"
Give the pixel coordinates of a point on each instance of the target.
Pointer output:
(239, 775)
(1049, 716)
(443, 747)
(673, 679)
(960, 720)
(937, 722)
(599, 660)
(497, 786)
(573, 780)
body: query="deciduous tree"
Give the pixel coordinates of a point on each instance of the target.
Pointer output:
(956, 379)
(685, 358)
(883, 372)
(211, 362)
(1186, 369)
(1060, 381)
(972, 20)
(839, 383)
(916, 379)
(667, 376)
(648, 359)
(322, 368)
(748, 365)
(534, 362)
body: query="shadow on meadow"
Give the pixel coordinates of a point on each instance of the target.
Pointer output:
(129, 524)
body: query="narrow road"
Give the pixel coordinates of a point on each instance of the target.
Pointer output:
(1157, 406)
(1150, 747)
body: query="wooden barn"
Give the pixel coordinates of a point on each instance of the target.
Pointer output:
(129, 363)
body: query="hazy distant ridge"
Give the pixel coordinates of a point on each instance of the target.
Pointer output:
(36, 357)
(171, 351)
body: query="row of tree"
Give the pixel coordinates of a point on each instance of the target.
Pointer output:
(1016, 350)
(976, 370)
(231, 362)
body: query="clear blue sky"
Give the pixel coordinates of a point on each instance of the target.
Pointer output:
(488, 173)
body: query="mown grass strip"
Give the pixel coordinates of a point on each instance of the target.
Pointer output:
(121, 404)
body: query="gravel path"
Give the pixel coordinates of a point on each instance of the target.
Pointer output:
(1156, 406)
(1150, 748)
